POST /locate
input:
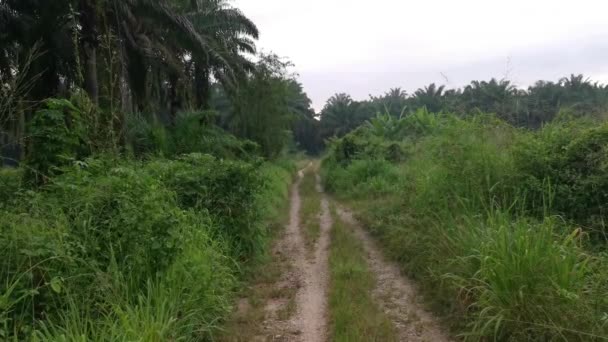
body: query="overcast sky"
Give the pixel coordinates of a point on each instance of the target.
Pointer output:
(364, 47)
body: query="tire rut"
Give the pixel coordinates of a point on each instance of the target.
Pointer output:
(394, 293)
(312, 299)
(308, 276)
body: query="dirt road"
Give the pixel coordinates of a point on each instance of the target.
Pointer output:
(296, 305)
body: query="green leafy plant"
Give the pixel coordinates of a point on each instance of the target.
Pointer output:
(57, 137)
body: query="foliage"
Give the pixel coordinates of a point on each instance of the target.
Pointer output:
(228, 190)
(191, 133)
(261, 111)
(532, 108)
(564, 167)
(484, 215)
(10, 184)
(115, 250)
(57, 137)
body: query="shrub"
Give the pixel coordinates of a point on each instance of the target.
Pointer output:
(120, 213)
(57, 137)
(230, 191)
(10, 184)
(146, 137)
(564, 168)
(361, 178)
(191, 133)
(475, 220)
(113, 249)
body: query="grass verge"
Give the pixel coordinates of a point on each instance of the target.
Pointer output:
(311, 208)
(353, 314)
(250, 311)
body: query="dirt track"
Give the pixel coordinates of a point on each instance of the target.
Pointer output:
(306, 277)
(394, 293)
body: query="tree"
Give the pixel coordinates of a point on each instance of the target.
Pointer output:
(233, 33)
(393, 102)
(341, 115)
(430, 97)
(261, 106)
(306, 125)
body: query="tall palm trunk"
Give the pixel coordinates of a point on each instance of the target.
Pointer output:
(88, 22)
(174, 99)
(202, 87)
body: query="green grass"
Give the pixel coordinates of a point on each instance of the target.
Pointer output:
(123, 250)
(470, 218)
(310, 209)
(353, 314)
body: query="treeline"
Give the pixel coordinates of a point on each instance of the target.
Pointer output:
(156, 58)
(539, 104)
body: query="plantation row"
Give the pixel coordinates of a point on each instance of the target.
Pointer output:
(133, 247)
(503, 228)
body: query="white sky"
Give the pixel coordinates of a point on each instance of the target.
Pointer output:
(364, 47)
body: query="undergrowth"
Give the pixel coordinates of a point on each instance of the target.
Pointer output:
(110, 248)
(504, 227)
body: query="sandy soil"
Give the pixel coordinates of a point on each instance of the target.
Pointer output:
(309, 276)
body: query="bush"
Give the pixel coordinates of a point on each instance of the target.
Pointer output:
(361, 178)
(116, 250)
(563, 169)
(121, 214)
(10, 184)
(472, 214)
(232, 192)
(191, 133)
(57, 136)
(147, 138)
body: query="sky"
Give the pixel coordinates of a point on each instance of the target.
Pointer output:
(363, 47)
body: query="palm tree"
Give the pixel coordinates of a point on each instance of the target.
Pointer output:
(490, 96)
(339, 116)
(161, 39)
(26, 23)
(430, 97)
(234, 34)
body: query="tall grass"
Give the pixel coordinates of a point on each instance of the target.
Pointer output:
(491, 236)
(120, 250)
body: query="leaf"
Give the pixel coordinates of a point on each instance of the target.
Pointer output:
(56, 284)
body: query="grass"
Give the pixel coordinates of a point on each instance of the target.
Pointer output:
(311, 208)
(123, 250)
(469, 216)
(353, 314)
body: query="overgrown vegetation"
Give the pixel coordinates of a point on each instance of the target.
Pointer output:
(533, 107)
(147, 143)
(115, 250)
(503, 226)
(149, 154)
